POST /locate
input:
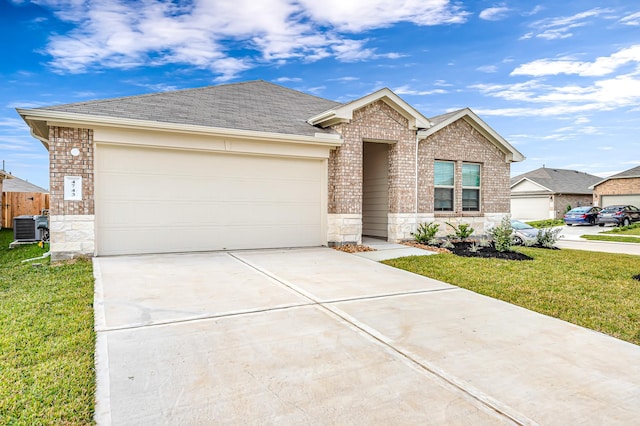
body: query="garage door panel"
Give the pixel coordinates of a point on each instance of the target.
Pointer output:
(530, 208)
(610, 200)
(171, 201)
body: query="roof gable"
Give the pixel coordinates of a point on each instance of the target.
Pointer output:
(527, 185)
(344, 112)
(558, 181)
(633, 172)
(441, 121)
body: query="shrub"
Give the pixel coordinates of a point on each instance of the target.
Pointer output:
(501, 235)
(426, 232)
(548, 237)
(463, 231)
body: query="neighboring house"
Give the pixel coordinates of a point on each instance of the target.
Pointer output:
(257, 165)
(546, 193)
(622, 188)
(3, 176)
(19, 197)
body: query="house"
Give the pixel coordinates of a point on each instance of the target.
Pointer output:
(257, 165)
(3, 176)
(19, 197)
(546, 193)
(621, 188)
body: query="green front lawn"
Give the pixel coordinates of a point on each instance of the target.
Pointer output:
(611, 238)
(47, 340)
(593, 290)
(633, 229)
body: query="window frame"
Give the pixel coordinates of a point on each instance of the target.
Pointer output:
(477, 188)
(451, 188)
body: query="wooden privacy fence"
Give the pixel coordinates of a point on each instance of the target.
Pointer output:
(20, 203)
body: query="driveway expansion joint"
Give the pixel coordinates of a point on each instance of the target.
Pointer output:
(483, 399)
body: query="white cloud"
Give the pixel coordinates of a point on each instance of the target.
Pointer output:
(581, 120)
(600, 66)
(622, 91)
(488, 68)
(559, 28)
(288, 79)
(360, 15)
(494, 13)
(406, 90)
(202, 33)
(633, 19)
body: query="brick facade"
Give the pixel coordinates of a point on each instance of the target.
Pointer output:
(458, 142)
(71, 222)
(374, 122)
(61, 141)
(618, 186)
(563, 200)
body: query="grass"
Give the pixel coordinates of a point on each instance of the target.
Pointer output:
(593, 290)
(633, 229)
(614, 238)
(47, 342)
(546, 223)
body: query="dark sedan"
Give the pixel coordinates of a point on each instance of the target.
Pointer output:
(586, 215)
(619, 215)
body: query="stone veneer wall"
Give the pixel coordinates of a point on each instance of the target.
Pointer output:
(460, 142)
(71, 222)
(374, 122)
(621, 186)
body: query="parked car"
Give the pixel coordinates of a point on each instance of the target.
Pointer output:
(585, 215)
(523, 232)
(618, 215)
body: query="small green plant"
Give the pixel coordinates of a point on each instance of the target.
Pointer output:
(462, 231)
(548, 237)
(501, 235)
(474, 247)
(484, 242)
(426, 232)
(447, 244)
(567, 208)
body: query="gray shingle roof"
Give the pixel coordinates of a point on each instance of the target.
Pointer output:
(443, 117)
(253, 105)
(560, 181)
(18, 185)
(634, 172)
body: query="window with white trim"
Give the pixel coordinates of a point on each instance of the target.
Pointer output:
(470, 187)
(444, 184)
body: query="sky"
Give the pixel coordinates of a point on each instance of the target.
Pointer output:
(559, 80)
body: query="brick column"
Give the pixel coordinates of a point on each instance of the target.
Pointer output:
(71, 222)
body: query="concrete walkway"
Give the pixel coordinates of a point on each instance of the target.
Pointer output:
(316, 336)
(385, 250)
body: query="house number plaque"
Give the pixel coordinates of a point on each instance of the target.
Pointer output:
(73, 188)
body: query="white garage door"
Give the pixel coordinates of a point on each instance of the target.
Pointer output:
(530, 208)
(610, 200)
(161, 200)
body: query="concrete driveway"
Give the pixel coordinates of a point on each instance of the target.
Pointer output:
(316, 336)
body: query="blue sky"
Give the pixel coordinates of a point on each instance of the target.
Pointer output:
(559, 80)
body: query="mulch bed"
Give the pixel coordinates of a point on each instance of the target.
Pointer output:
(636, 277)
(353, 248)
(463, 248)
